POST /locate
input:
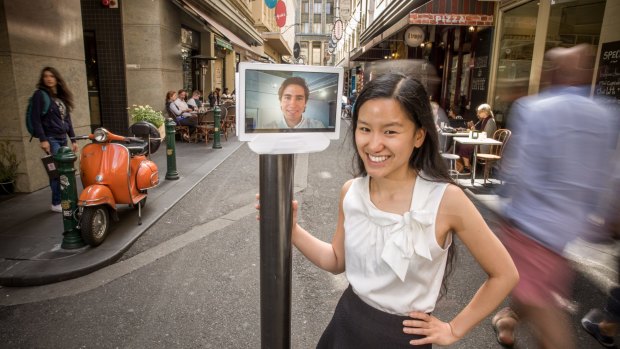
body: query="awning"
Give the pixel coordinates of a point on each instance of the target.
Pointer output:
(222, 31)
(394, 12)
(228, 16)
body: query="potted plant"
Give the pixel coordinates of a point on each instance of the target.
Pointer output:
(147, 113)
(8, 168)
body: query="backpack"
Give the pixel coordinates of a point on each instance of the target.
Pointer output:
(46, 106)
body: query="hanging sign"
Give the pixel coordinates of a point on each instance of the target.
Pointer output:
(271, 3)
(337, 31)
(280, 14)
(296, 50)
(414, 36)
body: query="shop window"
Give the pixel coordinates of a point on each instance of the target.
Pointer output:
(572, 23)
(515, 52)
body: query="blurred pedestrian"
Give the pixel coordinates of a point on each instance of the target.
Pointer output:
(395, 230)
(553, 169)
(604, 324)
(53, 126)
(352, 97)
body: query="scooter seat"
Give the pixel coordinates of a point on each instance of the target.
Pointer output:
(137, 148)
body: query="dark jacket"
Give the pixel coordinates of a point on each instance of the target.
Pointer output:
(50, 124)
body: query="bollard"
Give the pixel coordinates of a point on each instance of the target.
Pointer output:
(72, 238)
(216, 130)
(171, 159)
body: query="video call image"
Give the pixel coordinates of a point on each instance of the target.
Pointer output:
(290, 101)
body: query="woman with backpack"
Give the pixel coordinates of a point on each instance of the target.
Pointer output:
(52, 103)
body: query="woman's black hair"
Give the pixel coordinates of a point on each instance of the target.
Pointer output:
(62, 91)
(411, 95)
(426, 160)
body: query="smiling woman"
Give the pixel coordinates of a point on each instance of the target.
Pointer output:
(401, 212)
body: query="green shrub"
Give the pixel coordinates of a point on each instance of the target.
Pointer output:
(146, 113)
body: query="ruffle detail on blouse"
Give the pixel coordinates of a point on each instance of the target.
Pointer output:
(404, 241)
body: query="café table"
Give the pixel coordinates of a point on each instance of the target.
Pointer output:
(444, 142)
(475, 142)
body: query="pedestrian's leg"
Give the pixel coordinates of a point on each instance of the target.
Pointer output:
(505, 324)
(55, 145)
(551, 325)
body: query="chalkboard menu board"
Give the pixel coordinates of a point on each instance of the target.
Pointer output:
(608, 76)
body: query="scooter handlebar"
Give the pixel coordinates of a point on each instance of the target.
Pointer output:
(77, 138)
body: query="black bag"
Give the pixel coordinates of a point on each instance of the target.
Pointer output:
(50, 166)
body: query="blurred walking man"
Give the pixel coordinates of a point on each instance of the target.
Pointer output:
(555, 168)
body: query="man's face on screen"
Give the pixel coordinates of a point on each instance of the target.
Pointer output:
(293, 104)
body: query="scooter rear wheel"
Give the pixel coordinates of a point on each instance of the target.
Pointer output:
(95, 224)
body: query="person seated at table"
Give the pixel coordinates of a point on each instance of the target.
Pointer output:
(195, 101)
(486, 123)
(182, 117)
(452, 113)
(226, 96)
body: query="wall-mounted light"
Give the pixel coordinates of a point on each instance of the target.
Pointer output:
(471, 28)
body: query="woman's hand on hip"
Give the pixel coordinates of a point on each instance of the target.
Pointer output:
(434, 330)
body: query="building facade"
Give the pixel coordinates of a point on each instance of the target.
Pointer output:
(482, 51)
(525, 30)
(313, 31)
(132, 52)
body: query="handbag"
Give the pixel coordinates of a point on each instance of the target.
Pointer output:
(50, 166)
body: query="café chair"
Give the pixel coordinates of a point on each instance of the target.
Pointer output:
(182, 131)
(205, 126)
(495, 151)
(223, 113)
(229, 122)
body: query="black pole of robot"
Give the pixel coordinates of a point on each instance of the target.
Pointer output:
(276, 218)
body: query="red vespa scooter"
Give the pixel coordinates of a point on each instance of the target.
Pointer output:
(114, 170)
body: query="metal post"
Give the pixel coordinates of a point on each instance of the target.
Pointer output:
(72, 238)
(171, 160)
(276, 195)
(216, 128)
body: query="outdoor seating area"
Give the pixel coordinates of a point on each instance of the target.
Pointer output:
(489, 159)
(205, 124)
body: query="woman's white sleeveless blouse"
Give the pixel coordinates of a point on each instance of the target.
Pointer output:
(393, 262)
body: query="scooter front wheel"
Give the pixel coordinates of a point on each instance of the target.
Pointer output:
(95, 224)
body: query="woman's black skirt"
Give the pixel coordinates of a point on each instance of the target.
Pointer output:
(357, 325)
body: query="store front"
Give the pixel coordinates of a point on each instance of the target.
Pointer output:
(454, 37)
(526, 30)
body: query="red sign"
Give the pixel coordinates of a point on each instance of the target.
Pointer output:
(280, 14)
(450, 19)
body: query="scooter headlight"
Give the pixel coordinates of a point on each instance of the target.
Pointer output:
(101, 135)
